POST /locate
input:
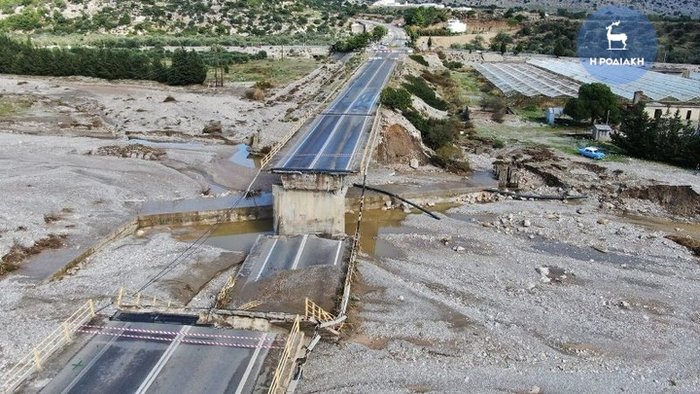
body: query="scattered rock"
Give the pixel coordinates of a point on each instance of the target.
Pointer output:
(603, 221)
(458, 249)
(169, 99)
(551, 273)
(413, 163)
(213, 127)
(526, 223)
(624, 305)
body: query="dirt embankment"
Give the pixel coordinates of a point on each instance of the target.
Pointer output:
(679, 200)
(398, 146)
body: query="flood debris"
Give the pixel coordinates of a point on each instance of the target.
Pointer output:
(18, 253)
(136, 151)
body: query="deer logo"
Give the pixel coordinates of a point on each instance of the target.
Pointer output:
(616, 38)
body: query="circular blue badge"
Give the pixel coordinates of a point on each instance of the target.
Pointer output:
(617, 45)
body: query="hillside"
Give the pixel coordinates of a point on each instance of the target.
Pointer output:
(674, 8)
(306, 19)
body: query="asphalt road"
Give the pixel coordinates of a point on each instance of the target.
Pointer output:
(273, 254)
(336, 136)
(164, 358)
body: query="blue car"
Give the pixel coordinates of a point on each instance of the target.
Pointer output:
(592, 152)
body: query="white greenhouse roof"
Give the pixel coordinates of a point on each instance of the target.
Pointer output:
(656, 86)
(527, 80)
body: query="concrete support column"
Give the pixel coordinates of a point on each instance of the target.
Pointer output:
(309, 211)
(310, 204)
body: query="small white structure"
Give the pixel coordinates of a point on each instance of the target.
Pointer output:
(455, 26)
(601, 132)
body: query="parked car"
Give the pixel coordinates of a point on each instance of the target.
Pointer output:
(592, 152)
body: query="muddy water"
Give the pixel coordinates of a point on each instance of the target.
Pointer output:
(235, 237)
(376, 222)
(663, 225)
(243, 158)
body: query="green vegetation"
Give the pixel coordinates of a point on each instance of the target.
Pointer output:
(419, 59)
(419, 87)
(425, 16)
(24, 58)
(396, 99)
(277, 72)
(186, 68)
(595, 102)
(679, 40)
(359, 41)
(188, 18)
(669, 140)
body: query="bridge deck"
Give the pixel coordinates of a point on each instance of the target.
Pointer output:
(335, 138)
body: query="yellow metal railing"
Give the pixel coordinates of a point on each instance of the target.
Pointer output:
(126, 299)
(285, 367)
(34, 360)
(313, 311)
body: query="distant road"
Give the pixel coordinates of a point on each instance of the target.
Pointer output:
(164, 358)
(335, 137)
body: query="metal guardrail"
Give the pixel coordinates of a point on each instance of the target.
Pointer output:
(61, 336)
(285, 367)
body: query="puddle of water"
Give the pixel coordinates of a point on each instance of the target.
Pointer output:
(47, 263)
(663, 225)
(235, 237)
(242, 157)
(484, 179)
(376, 222)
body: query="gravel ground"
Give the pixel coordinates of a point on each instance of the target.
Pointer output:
(475, 303)
(32, 310)
(90, 194)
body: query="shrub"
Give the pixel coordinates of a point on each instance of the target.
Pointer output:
(399, 99)
(421, 89)
(419, 59)
(451, 158)
(453, 65)
(498, 116)
(255, 94)
(263, 85)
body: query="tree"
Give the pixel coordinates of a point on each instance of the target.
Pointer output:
(500, 39)
(559, 49)
(187, 68)
(430, 43)
(518, 48)
(378, 33)
(596, 102)
(667, 139)
(503, 48)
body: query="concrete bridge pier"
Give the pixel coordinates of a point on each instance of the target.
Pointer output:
(310, 204)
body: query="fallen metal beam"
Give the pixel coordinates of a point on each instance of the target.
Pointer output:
(434, 216)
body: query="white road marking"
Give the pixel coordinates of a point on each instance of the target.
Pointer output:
(318, 119)
(251, 364)
(337, 252)
(340, 118)
(301, 249)
(163, 360)
(92, 362)
(264, 264)
(364, 123)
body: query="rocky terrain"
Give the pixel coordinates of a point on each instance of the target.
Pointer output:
(667, 8)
